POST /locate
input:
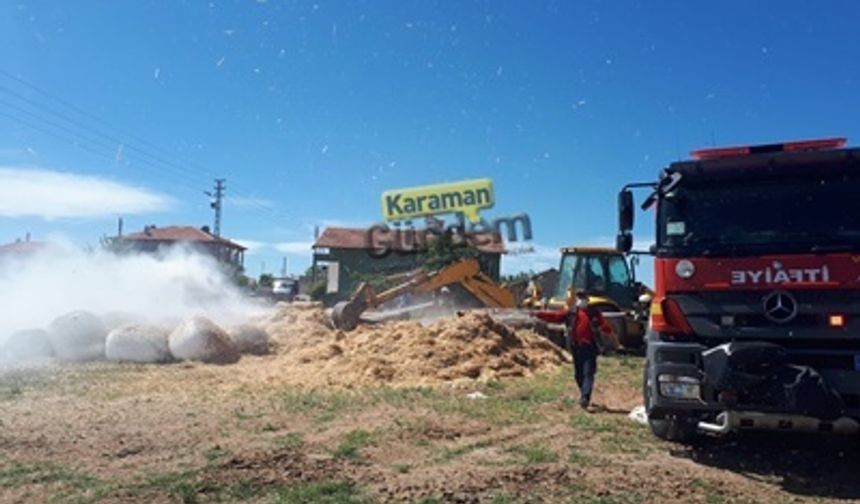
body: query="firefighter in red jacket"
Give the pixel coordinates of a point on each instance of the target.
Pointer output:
(582, 325)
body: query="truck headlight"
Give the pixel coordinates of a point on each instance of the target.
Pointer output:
(685, 269)
(679, 387)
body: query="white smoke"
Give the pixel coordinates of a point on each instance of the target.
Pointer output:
(161, 289)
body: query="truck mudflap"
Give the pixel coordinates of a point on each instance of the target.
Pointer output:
(760, 376)
(729, 421)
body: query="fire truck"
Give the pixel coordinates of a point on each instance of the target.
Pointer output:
(755, 319)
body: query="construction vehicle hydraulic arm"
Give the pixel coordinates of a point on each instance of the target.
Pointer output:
(346, 314)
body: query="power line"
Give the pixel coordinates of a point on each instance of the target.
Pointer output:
(72, 141)
(85, 113)
(186, 169)
(97, 132)
(197, 170)
(102, 144)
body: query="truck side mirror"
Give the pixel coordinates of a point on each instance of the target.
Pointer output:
(625, 210)
(624, 242)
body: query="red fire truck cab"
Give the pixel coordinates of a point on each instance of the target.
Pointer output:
(755, 320)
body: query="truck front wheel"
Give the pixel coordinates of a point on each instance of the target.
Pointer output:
(666, 425)
(681, 429)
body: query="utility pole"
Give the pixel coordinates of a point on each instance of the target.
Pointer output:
(217, 199)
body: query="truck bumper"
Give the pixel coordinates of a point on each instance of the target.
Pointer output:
(673, 385)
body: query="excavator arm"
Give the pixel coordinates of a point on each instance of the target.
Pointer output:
(467, 273)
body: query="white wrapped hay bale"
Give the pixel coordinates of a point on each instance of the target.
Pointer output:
(78, 336)
(199, 339)
(138, 343)
(250, 339)
(26, 346)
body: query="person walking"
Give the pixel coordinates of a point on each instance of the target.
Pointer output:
(582, 325)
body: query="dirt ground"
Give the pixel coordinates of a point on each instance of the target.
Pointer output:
(253, 432)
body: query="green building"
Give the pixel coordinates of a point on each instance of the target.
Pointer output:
(348, 256)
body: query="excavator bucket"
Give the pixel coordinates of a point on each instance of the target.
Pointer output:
(345, 315)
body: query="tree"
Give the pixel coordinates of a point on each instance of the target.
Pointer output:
(317, 291)
(114, 244)
(444, 250)
(266, 280)
(517, 277)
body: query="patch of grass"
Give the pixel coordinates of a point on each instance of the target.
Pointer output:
(216, 453)
(630, 362)
(400, 397)
(322, 407)
(592, 423)
(512, 402)
(535, 454)
(496, 410)
(503, 499)
(10, 391)
(290, 440)
(191, 488)
(402, 468)
(449, 454)
(350, 447)
(578, 458)
(166, 480)
(18, 474)
(268, 427)
(631, 438)
(495, 385)
(16, 383)
(542, 389)
(621, 369)
(182, 485)
(322, 493)
(245, 490)
(68, 485)
(241, 414)
(631, 498)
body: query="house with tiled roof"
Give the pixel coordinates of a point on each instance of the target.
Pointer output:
(22, 248)
(157, 239)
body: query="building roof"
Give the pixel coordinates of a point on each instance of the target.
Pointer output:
(358, 239)
(185, 234)
(577, 249)
(22, 247)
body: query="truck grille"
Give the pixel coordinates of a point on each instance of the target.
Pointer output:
(740, 315)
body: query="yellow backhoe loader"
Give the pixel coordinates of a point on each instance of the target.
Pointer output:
(609, 279)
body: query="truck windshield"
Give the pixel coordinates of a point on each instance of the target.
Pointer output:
(807, 214)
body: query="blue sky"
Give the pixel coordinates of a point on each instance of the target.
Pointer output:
(311, 110)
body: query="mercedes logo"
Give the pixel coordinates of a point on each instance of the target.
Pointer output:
(780, 307)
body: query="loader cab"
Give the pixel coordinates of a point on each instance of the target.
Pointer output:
(602, 272)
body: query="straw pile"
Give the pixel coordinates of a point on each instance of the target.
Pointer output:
(468, 347)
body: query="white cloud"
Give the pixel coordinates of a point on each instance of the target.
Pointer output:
(299, 248)
(249, 202)
(294, 247)
(251, 245)
(52, 194)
